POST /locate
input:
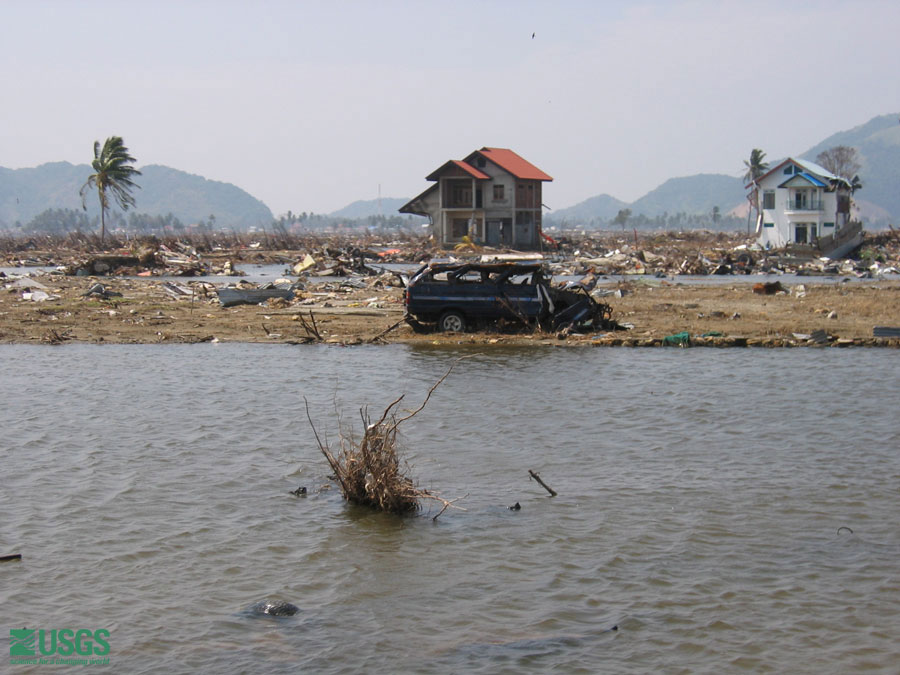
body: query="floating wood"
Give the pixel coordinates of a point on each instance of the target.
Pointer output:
(542, 483)
(10, 558)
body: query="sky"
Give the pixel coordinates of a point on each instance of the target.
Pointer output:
(309, 106)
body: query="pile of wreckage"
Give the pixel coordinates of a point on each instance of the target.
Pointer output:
(662, 254)
(149, 261)
(701, 254)
(340, 270)
(304, 291)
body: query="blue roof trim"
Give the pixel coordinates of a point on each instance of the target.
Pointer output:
(812, 180)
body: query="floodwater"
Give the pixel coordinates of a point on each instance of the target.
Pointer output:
(726, 510)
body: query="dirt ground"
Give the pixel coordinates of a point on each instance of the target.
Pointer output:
(146, 313)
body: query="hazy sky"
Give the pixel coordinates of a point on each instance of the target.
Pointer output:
(311, 105)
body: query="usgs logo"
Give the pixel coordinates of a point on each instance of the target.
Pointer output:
(63, 642)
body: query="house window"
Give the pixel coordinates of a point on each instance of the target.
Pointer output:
(827, 224)
(524, 218)
(481, 162)
(769, 199)
(788, 170)
(498, 193)
(768, 224)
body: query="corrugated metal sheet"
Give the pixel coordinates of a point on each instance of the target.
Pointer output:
(509, 161)
(814, 168)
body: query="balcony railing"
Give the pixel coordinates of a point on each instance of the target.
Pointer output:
(805, 205)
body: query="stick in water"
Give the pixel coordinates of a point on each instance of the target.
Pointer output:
(543, 484)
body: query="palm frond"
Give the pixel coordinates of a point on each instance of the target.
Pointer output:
(113, 175)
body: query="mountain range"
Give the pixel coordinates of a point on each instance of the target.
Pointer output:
(363, 208)
(26, 192)
(877, 143)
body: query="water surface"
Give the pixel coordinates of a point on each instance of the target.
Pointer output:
(700, 497)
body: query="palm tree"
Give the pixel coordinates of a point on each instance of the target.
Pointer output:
(756, 167)
(112, 174)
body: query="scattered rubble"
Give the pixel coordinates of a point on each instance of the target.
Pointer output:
(345, 277)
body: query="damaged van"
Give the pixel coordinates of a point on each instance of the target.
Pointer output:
(464, 296)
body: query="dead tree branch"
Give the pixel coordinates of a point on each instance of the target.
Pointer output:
(542, 483)
(384, 332)
(370, 472)
(312, 330)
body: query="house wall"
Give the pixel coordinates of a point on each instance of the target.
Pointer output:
(513, 220)
(779, 225)
(430, 204)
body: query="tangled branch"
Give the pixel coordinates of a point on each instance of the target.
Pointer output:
(370, 472)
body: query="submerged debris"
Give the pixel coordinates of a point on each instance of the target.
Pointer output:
(370, 472)
(274, 607)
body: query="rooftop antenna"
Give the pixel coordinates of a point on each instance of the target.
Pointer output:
(380, 214)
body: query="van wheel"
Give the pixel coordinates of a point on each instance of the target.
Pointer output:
(452, 322)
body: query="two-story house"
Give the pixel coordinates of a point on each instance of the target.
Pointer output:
(493, 196)
(799, 202)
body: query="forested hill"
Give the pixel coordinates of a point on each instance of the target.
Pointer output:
(878, 144)
(688, 195)
(24, 193)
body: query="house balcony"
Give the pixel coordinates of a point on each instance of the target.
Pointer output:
(806, 206)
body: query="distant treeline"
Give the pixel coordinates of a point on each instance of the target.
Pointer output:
(204, 241)
(667, 221)
(66, 221)
(316, 221)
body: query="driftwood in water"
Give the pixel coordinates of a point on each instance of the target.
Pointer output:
(370, 472)
(542, 483)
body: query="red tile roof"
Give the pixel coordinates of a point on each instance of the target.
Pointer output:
(513, 163)
(468, 168)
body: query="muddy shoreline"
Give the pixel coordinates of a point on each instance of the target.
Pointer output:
(143, 311)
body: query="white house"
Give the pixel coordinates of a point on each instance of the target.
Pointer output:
(799, 202)
(493, 196)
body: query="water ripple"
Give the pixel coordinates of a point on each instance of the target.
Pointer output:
(701, 496)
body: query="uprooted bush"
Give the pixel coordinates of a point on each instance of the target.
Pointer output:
(370, 472)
